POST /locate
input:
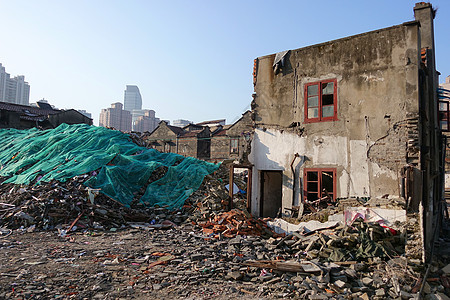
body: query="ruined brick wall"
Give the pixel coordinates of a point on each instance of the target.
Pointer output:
(187, 146)
(243, 131)
(220, 148)
(162, 139)
(400, 145)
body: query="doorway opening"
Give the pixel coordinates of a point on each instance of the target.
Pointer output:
(271, 193)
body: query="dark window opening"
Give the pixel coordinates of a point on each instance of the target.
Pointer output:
(320, 183)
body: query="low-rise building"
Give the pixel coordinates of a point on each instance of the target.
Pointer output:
(216, 142)
(40, 116)
(232, 141)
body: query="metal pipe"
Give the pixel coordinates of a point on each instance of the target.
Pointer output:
(293, 177)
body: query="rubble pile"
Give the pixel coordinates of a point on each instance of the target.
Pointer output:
(359, 242)
(70, 206)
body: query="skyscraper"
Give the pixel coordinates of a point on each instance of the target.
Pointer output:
(132, 98)
(13, 90)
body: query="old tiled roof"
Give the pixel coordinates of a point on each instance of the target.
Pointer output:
(192, 133)
(175, 129)
(26, 110)
(220, 132)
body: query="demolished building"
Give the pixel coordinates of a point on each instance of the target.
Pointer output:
(353, 117)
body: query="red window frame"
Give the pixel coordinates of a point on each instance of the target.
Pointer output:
(308, 184)
(444, 116)
(309, 99)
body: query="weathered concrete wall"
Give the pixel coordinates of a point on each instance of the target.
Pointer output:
(377, 97)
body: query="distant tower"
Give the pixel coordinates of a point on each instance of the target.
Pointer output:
(115, 117)
(132, 98)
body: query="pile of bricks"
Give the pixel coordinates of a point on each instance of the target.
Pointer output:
(235, 222)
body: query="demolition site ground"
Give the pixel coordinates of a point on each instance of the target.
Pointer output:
(56, 243)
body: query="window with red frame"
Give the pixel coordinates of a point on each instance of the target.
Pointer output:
(321, 101)
(444, 115)
(319, 183)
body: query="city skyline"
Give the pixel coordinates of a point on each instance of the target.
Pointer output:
(13, 89)
(196, 64)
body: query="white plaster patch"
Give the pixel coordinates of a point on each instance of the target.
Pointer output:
(359, 169)
(371, 77)
(377, 171)
(343, 182)
(328, 150)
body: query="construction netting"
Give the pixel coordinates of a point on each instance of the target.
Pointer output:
(116, 165)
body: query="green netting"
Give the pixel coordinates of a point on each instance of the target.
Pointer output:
(125, 168)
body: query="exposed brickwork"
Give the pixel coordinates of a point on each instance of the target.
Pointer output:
(390, 150)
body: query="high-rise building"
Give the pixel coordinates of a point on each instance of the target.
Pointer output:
(181, 122)
(132, 98)
(147, 122)
(115, 117)
(13, 90)
(3, 79)
(136, 114)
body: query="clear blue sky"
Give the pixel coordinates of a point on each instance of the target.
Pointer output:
(190, 59)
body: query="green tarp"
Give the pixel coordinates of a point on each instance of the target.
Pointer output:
(125, 168)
